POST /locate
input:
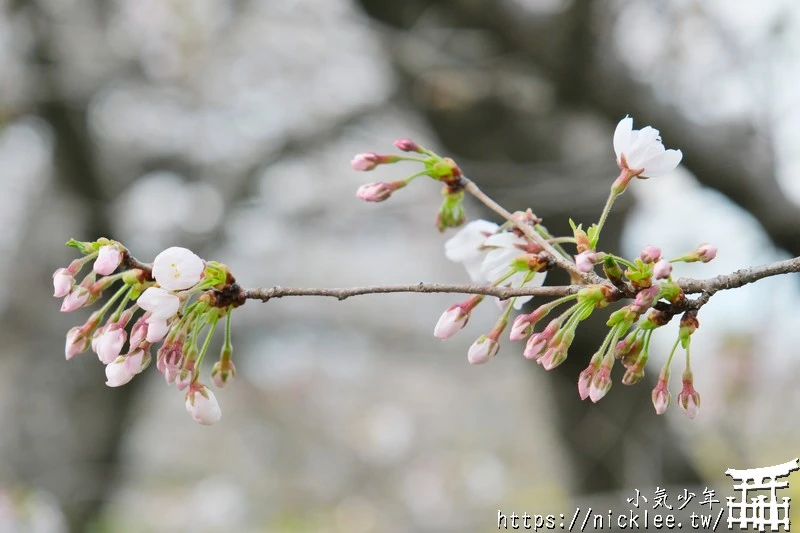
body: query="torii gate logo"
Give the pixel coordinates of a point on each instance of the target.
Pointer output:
(756, 512)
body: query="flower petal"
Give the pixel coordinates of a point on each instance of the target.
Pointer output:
(662, 163)
(622, 135)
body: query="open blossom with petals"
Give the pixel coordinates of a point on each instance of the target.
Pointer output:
(451, 322)
(62, 282)
(482, 350)
(108, 259)
(642, 151)
(75, 299)
(662, 269)
(109, 344)
(504, 248)
(176, 268)
(466, 247)
(202, 405)
(160, 303)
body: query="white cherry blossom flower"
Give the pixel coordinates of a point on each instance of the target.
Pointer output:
(176, 268)
(642, 150)
(160, 303)
(465, 247)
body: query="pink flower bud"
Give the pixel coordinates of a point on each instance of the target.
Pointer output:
(537, 343)
(108, 259)
(650, 254)
(62, 282)
(375, 192)
(223, 373)
(407, 145)
(75, 300)
(660, 395)
(645, 299)
(77, 342)
(156, 330)
(584, 261)
(109, 344)
(139, 331)
(662, 269)
(706, 252)
(202, 405)
(482, 350)
(367, 161)
(451, 322)
(118, 373)
(688, 398)
(136, 362)
(521, 328)
(585, 380)
(601, 384)
(553, 357)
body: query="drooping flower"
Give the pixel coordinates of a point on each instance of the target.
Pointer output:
(160, 303)
(688, 398)
(156, 330)
(466, 247)
(660, 394)
(176, 268)
(108, 259)
(202, 405)
(62, 282)
(223, 373)
(642, 152)
(503, 249)
(601, 384)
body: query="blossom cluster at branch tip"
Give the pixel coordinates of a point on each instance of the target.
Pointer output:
(176, 300)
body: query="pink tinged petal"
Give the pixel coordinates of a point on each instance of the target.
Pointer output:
(108, 259)
(109, 345)
(139, 332)
(584, 261)
(156, 330)
(62, 282)
(367, 161)
(117, 373)
(75, 300)
(662, 163)
(203, 407)
(451, 322)
(162, 304)
(177, 269)
(136, 362)
(622, 136)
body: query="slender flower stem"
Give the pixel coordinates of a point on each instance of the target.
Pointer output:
(612, 196)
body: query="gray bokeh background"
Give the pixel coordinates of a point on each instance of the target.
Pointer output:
(228, 126)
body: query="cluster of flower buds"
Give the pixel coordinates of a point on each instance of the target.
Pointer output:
(451, 213)
(509, 256)
(176, 299)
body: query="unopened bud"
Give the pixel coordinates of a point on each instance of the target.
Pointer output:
(377, 192)
(407, 145)
(584, 261)
(650, 254)
(451, 322)
(660, 394)
(223, 373)
(62, 282)
(108, 259)
(601, 384)
(482, 350)
(688, 398)
(706, 252)
(75, 299)
(662, 269)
